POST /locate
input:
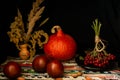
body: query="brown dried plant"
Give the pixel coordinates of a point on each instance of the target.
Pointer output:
(23, 33)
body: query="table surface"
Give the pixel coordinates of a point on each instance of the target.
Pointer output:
(70, 68)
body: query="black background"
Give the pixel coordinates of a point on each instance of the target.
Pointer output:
(75, 18)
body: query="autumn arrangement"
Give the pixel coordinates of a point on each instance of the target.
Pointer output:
(22, 33)
(97, 58)
(58, 47)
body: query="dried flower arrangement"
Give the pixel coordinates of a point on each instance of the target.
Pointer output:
(21, 34)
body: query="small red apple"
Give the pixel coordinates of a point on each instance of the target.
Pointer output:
(39, 63)
(12, 70)
(55, 68)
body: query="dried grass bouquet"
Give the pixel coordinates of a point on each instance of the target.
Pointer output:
(23, 33)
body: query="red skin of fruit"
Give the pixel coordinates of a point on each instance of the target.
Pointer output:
(39, 63)
(12, 70)
(60, 46)
(55, 69)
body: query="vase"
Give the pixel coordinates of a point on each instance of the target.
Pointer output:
(24, 53)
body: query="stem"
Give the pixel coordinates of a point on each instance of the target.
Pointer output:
(96, 27)
(54, 28)
(99, 45)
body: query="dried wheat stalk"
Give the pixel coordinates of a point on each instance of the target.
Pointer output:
(18, 33)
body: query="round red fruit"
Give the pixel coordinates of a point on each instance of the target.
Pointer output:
(55, 68)
(39, 63)
(12, 70)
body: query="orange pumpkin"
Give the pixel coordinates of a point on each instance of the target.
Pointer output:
(60, 46)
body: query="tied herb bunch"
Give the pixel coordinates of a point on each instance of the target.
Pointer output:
(98, 57)
(23, 33)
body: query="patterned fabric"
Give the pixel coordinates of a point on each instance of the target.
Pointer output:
(71, 68)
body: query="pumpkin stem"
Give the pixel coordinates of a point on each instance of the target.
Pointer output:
(54, 28)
